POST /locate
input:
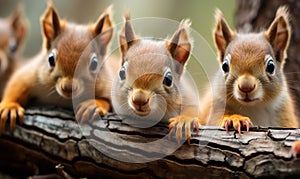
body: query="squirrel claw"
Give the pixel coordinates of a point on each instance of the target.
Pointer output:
(295, 150)
(12, 111)
(247, 124)
(196, 126)
(227, 125)
(90, 109)
(180, 123)
(237, 122)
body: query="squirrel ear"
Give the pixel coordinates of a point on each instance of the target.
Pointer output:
(51, 24)
(222, 33)
(127, 36)
(180, 45)
(19, 26)
(104, 28)
(279, 33)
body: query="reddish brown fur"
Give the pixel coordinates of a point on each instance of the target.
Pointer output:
(147, 81)
(46, 84)
(145, 62)
(75, 41)
(272, 104)
(13, 31)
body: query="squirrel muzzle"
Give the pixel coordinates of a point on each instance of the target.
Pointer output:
(140, 101)
(68, 88)
(246, 89)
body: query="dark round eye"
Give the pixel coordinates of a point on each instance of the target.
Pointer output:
(93, 64)
(122, 73)
(225, 66)
(51, 59)
(270, 67)
(168, 79)
(12, 46)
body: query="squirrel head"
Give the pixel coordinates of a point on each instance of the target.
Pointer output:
(72, 47)
(150, 71)
(13, 30)
(252, 63)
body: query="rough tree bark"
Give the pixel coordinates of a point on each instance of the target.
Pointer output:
(257, 15)
(51, 137)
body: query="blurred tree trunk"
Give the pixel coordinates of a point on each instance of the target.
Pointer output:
(258, 14)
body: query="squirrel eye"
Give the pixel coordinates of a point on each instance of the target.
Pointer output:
(270, 67)
(225, 66)
(122, 73)
(168, 79)
(12, 46)
(93, 63)
(51, 58)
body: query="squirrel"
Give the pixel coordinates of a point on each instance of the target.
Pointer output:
(152, 84)
(48, 79)
(250, 87)
(12, 36)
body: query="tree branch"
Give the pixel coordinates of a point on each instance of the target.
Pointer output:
(51, 137)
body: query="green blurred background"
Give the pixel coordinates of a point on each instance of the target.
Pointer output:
(201, 12)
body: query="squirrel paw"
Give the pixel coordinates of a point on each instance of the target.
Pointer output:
(295, 150)
(11, 111)
(236, 121)
(90, 109)
(180, 123)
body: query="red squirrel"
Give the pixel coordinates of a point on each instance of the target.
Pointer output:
(152, 84)
(13, 30)
(48, 79)
(250, 85)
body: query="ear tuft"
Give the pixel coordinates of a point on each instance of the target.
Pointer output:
(127, 36)
(104, 28)
(279, 32)
(104, 22)
(283, 11)
(180, 44)
(222, 33)
(51, 24)
(19, 26)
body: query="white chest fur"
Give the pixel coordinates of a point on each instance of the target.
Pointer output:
(262, 114)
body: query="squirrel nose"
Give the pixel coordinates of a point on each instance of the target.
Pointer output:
(139, 98)
(246, 87)
(68, 87)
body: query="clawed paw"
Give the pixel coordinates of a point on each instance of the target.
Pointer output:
(295, 150)
(11, 111)
(182, 123)
(90, 109)
(237, 122)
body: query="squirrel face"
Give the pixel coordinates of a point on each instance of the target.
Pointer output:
(250, 71)
(148, 81)
(148, 74)
(71, 47)
(252, 63)
(12, 34)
